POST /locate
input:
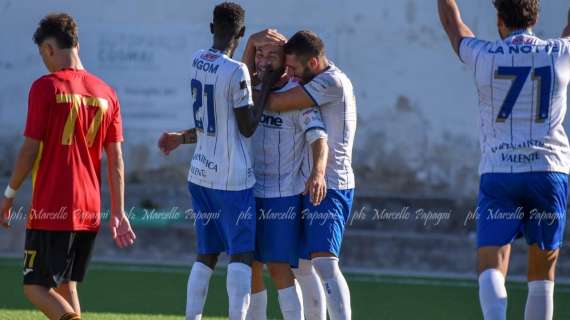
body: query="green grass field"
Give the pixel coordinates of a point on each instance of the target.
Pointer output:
(121, 292)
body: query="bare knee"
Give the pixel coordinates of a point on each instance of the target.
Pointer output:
(542, 263)
(494, 258)
(257, 283)
(210, 260)
(281, 274)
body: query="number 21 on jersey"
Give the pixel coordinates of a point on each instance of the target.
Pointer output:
(203, 99)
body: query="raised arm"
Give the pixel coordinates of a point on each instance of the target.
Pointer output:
(24, 164)
(248, 117)
(566, 32)
(121, 230)
(265, 37)
(450, 18)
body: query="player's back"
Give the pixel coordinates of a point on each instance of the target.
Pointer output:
(522, 84)
(73, 114)
(222, 158)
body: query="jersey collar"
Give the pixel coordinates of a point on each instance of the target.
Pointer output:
(519, 32)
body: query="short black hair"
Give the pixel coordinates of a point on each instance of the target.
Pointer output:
(305, 44)
(61, 26)
(518, 14)
(229, 19)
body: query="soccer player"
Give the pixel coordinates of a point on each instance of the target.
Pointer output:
(325, 86)
(280, 146)
(221, 176)
(522, 82)
(72, 117)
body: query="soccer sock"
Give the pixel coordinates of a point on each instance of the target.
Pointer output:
(239, 288)
(290, 303)
(493, 295)
(70, 316)
(197, 290)
(540, 300)
(336, 288)
(258, 306)
(312, 291)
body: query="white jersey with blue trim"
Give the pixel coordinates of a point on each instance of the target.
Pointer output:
(222, 159)
(332, 92)
(281, 146)
(522, 85)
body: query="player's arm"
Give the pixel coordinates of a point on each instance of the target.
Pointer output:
(24, 164)
(450, 18)
(566, 32)
(290, 100)
(316, 185)
(169, 141)
(248, 116)
(120, 227)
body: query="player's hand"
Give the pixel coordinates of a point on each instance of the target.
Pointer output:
(6, 212)
(316, 188)
(270, 76)
(169, 141)
(121, 230)
(267, 37)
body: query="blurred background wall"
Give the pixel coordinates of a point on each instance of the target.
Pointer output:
(417, 141)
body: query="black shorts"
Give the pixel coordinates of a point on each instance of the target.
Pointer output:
(55, 257)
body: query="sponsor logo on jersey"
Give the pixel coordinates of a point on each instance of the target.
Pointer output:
(208, 56)
(271, 121)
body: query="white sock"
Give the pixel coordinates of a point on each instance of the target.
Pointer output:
(314, 301)
(197, 290)
(336, 288)
(493, 295)
(258, 306)
(540, 300)
(239, 287)
(290, 302)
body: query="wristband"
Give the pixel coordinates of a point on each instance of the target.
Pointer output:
(10, 193)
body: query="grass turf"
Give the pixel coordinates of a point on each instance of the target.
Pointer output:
(143, 292)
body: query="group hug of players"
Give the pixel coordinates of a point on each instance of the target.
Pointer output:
(271, 179)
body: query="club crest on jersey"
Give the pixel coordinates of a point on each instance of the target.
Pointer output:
(208, 56)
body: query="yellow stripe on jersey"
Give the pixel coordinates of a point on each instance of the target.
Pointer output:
(36, 166)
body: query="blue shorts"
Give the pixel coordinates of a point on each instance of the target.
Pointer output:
(532, 204)
(278, 230)
(323, 225)
(225, 220)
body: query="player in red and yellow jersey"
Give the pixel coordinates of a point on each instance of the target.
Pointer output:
(72, 117)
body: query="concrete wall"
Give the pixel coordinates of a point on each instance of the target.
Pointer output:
(417, 104)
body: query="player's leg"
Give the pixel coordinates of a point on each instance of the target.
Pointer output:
(541, 275)
(68, 290)
(209, 247)
(46, 259)
(288, 291)
(313, 293)
(498, 224)
(49, 302)
(544, 230)
(237, 226)
(277, 245)
(258, 305)
(324, 239)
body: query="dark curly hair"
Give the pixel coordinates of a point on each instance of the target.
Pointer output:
(61, 26)
(229, 19)
(518, 14)
(305, 44)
